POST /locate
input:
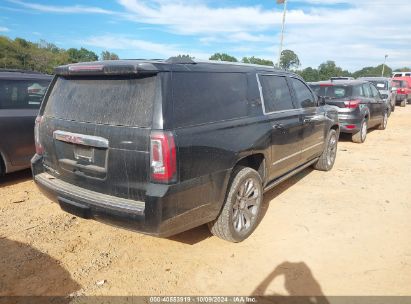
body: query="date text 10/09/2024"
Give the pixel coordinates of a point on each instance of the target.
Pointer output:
(203, 299)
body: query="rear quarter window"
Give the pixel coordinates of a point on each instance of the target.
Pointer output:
(203, 97)
(22, 94)
(305, 98)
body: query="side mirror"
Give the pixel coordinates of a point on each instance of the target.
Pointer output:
(321, 101)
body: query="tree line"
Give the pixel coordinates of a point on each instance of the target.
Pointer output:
(289, 61)
(43, 56)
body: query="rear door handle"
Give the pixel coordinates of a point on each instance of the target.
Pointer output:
(307, 120)
(278, 127)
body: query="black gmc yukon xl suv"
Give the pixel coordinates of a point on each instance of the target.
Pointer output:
(164, 146)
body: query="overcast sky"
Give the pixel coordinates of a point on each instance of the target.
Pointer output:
(354, 33)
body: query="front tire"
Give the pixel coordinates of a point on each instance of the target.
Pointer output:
(327, 158)
(403, 103)
(360, 136)
(242, 207)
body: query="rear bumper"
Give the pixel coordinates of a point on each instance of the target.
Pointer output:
(163, 213)
(401, 97)
(349, 123)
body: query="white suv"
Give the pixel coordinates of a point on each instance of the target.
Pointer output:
(401, 74)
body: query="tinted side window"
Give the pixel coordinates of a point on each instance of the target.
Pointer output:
(22, 94)
(208, 97)
(276, 94)
(375, 92)
(358, 91)
(305, 98)
(367, 90)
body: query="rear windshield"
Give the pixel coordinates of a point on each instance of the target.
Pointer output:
(399, 84)
(22, 94)
(381, 85)
(332, 91)
(113, 101)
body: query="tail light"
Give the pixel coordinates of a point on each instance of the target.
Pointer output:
(352, 104)
(162, 157)
(39, 147)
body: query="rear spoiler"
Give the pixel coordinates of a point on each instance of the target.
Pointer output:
(106, 68)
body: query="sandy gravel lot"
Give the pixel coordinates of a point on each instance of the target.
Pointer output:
(345, 232)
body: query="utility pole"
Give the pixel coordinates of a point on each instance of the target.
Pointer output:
(383, 66)
(282, 30)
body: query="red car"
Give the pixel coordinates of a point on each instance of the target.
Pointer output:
(403, 85)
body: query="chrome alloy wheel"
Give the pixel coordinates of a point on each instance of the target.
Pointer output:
(332, 150)
(364, 130)
(246, 206)
(385, 120)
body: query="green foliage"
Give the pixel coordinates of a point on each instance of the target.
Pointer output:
(373, 71)
(255, 60)
(329, 69)
(289, 60)
(106, 55)
(42, 56)
(309, 74)
(404, 69)
(223, 57)
(81, 55)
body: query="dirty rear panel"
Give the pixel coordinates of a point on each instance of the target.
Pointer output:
(95, 132)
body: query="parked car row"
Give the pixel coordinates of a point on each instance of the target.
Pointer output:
(163, 146)
(366, 102)
(360, 105)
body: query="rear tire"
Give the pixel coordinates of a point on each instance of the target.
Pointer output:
(361, 135)
(384, 122)
(242, 207)
(327, 158)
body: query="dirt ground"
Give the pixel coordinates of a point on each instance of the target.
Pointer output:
(345, 232)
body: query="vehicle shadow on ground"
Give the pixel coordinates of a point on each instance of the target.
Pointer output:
(299, 283)
(15, 178)
(346, 137)
(192, 236)
(202, 233)
(25, 271)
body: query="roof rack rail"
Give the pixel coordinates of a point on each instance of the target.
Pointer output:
(20, 71)
(180, 60)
